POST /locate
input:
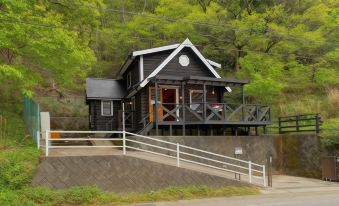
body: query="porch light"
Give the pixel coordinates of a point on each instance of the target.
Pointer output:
(213, 92)
(130, 102)
(180, 97)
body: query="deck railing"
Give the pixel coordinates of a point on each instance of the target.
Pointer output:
(214, 112)
(181, 153)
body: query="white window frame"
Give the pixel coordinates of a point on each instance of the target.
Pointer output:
(195, 91)
(102, 108)
(129, 80)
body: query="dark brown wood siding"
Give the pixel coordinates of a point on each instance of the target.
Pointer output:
(195, 68)
(152, 61)
(134, 69)
(103, 123)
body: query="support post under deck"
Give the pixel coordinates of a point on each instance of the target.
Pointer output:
(204, 96)
(183, 108)
(156, 108)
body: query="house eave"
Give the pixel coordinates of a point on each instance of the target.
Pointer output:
(154, 50)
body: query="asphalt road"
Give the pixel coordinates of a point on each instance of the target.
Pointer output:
(329, 198)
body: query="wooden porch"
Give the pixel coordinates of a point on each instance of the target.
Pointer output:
(171, 103)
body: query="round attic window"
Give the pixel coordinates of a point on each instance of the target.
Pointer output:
(184, 60)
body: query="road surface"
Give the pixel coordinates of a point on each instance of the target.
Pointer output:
(328, 198)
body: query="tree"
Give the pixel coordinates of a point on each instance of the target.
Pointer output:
(41, 43)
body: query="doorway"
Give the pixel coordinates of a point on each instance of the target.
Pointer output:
(168, 98)
(170, 101)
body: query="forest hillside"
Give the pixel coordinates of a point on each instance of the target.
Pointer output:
(289, 50)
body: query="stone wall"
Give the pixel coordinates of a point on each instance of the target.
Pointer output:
(292, 154)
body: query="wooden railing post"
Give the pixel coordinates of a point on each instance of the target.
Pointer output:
(257, 112)
(123, 129)
(279, 124)
(183, 108)
(317, 123)
(297, 123)
(243, 103)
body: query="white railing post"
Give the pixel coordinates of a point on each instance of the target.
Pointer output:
(178, 155)
(123, 129)
(47, 143)
(38, 139)
(250, 171)
(264, 174)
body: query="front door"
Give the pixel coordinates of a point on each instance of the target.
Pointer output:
(151, 102)
(169, 100)
(168, 97)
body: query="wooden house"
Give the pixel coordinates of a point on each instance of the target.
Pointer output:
(172, 90)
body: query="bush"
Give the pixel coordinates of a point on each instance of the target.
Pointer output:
(17, 167)
(330, 133)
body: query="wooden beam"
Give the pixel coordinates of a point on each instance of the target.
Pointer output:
(156, 107)
(204, 94)
(243, 102)
(183, 108)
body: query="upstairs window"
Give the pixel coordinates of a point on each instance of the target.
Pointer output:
(106, 108)
(129, 80)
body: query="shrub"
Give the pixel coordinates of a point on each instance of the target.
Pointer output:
(330, 133)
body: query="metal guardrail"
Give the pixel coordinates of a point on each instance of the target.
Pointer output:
(233, 165)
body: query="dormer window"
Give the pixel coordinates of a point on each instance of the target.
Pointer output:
(129, 80)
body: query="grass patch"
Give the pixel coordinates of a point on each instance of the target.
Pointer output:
(93, 196)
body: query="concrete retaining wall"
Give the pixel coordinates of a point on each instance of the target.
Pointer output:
(292, 154)
(121, 174)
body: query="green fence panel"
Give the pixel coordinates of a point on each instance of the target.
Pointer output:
(32, 117)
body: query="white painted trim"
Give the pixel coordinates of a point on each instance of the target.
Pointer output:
(213, 63)
(125, 66)
(153, 50)
(202, 58)
(186, 43)
(102, 110)
(162, 65)
(141, 68)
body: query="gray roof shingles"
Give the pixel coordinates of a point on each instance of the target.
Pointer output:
(105, 89)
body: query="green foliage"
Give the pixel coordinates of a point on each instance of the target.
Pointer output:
(17, 167)
(18, 156)
(330, 133)
(264, 91)
(40, 43)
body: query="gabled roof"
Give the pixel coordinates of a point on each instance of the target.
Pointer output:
(186, 43)
(104, 89)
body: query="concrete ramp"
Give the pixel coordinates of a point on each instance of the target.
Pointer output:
(121, 174)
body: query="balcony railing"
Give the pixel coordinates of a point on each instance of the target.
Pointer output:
(213, 113)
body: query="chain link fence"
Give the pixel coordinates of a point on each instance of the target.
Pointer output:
(31, 114)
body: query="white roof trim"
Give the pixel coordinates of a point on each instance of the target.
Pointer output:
(186, 43)
(153, 50)
(213, 63)
(202, 58)
(125, 66)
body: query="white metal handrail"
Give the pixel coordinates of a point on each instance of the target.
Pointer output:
(177, 153)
